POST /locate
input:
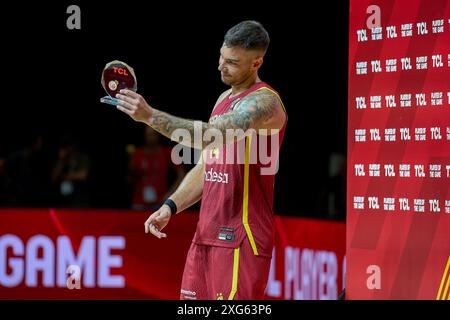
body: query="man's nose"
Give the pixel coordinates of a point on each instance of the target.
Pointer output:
(223, 69)
(221, 66)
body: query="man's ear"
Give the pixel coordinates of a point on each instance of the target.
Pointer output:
(258, 62)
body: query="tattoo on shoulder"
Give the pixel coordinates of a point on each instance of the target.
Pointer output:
(261, 105)
(257, 107)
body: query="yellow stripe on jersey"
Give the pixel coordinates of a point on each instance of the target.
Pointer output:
(246, 194)
(235, 274)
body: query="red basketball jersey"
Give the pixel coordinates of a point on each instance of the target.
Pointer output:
(237, 201)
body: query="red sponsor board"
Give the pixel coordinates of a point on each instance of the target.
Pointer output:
(308, 261)
(117, 259)
(398, 199)
(105, 254)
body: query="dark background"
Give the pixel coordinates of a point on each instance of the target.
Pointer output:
(51, 79)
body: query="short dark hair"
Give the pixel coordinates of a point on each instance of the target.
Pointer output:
(248, 35)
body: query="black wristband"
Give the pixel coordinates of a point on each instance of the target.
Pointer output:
(172, 206)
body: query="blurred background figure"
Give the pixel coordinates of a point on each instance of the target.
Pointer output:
(337, 186)
(70, 175)
(152, 174)
(24, 175)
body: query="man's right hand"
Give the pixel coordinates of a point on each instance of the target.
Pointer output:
(134, 105)
(157, 221)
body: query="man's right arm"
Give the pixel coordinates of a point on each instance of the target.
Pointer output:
(188, 193)
(190, 189)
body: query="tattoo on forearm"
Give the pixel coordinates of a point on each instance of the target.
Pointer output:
(166, 124)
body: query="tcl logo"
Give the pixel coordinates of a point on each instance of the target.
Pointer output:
(21, 263)
(121, 71)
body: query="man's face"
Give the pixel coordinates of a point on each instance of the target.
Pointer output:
(237, 64)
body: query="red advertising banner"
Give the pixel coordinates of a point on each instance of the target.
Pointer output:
(43, 253)
(398, 199)
(308, 261)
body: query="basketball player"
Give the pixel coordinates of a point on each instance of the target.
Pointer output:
(229, 257)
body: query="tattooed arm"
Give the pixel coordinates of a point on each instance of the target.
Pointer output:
(258, 110)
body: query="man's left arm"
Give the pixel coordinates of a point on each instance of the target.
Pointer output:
(258, 110)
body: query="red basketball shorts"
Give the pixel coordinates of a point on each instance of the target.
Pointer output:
(213, 273)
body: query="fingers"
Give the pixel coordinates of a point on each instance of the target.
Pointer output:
(153, 217)
(130, 93)
(128, 105)
(155, 231)
(127, 99)
(125, 110)
(151, 227)
(147, 226)
(150, 221)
